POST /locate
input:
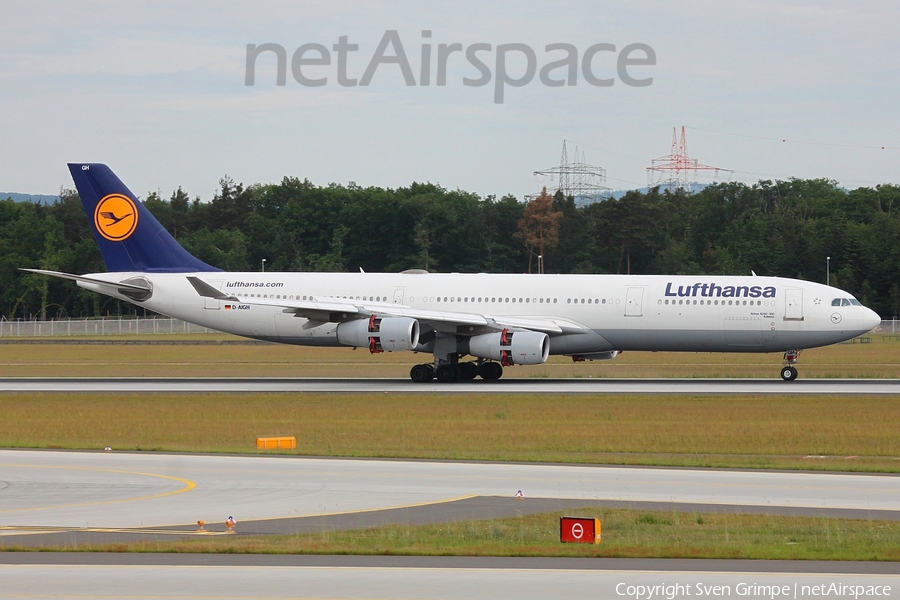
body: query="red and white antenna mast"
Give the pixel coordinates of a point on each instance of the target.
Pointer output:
(676, 170)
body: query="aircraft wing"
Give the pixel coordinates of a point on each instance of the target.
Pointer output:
(550, 325)
(464, 323)
(336, 310)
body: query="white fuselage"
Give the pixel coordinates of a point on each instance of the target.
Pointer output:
(606, 312)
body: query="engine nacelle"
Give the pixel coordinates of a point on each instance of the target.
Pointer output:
(380, 334)
(512, 347)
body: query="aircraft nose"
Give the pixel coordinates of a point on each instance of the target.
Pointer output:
(871, 320)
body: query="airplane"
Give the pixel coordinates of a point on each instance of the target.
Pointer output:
(474, 325)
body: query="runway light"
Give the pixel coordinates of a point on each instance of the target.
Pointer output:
(229, 524)
(107, 449)
(520, 495)
(200, 524)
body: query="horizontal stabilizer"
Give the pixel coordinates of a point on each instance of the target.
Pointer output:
(111, 284)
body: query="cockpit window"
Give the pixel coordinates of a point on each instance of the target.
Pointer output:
(846, 302)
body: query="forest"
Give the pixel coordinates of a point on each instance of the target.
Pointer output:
(779, 228)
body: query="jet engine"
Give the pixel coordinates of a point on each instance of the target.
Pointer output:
(512, 347)
(379, 334)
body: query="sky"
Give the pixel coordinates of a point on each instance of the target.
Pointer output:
(157, 90)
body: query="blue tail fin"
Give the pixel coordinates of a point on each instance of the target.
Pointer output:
(129, 236)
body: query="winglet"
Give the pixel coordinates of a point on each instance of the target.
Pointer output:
(208, 291)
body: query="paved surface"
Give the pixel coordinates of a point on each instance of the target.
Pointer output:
(441, 578)
(64, 494)
(51, 497)
(451, 562)
(517, 386)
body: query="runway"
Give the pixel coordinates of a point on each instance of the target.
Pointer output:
(52, 496)
(503, 386)
(149, 490)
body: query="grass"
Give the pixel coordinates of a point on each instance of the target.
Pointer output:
(218, 358)
(855, 433)
(626, 533)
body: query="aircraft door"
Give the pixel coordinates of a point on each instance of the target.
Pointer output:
(398, 295)
(212, 303)
(793, 304)
(634, 302)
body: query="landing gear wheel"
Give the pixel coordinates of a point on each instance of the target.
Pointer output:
(467, 371)
(421, 373)
(789, 373)
(490, 371)
(447, 373)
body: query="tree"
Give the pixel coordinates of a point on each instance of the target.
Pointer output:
(539, 226)
(779, 228)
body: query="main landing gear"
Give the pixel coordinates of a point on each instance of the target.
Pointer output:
(421, 373)
(449, 372)
(789, 371)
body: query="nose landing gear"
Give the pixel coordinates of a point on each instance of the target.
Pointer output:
(789, 371)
